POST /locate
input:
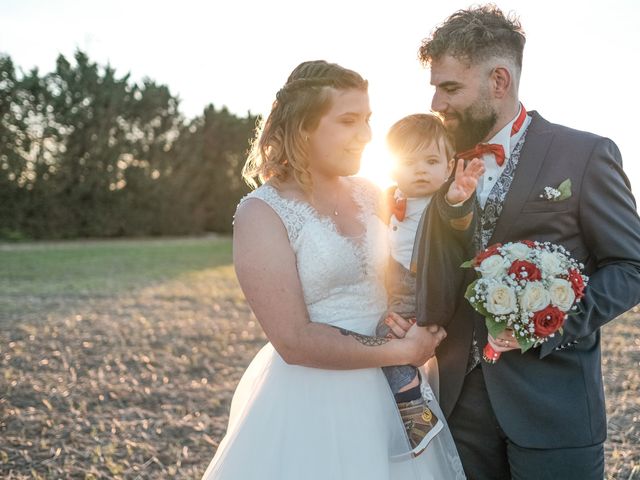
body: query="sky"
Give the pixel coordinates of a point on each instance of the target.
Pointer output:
(580, 62)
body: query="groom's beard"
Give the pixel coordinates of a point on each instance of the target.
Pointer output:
(472, 129)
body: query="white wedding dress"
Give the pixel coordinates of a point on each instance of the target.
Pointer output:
(289, 422)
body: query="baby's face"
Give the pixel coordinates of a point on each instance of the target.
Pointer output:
(422, 172)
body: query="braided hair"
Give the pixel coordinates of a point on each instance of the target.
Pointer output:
(279, 149)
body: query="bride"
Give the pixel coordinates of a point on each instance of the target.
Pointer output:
(309, 251)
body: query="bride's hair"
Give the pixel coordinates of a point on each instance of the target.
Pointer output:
(279, 149)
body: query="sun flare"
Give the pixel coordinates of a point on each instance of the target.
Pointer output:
(377, 162)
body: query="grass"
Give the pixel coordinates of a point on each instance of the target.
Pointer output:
(104, 267)
(118, 359)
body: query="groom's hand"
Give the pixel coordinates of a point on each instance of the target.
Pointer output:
(465, 181)
(504, 342)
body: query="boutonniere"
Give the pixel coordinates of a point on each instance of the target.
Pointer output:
(561, 192)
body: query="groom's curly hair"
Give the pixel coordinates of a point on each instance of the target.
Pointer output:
(476, 35)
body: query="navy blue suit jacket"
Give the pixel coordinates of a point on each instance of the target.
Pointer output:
(551, 396)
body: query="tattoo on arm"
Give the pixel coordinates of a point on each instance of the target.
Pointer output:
(367, 340)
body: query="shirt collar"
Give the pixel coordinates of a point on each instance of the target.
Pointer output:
(504, 138)
(414, 204)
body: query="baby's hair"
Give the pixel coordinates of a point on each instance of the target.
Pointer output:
(417, 131)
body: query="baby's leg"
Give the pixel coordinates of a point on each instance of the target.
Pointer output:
(412, 384)
(401, 377)
(382, 329)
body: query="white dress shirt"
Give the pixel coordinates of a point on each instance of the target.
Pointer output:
(402, 234)
(492, 169)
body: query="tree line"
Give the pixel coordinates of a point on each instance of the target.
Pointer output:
(86, 153)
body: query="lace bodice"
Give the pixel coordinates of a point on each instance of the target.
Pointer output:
(342, 277)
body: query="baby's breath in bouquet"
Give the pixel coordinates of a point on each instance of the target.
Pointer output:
(529, 287)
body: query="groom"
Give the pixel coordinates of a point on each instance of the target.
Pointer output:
(539, 414)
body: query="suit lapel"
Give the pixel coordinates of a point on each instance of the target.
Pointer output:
(532, 157)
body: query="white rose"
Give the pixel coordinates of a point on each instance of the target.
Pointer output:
(501, 299)
(561, 293)
(550, 264)
(534, 297)
(517, 251)
(493, 267)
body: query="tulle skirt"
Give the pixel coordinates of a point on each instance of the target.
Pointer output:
(291, 422)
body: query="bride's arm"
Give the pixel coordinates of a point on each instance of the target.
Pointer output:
(266, 268)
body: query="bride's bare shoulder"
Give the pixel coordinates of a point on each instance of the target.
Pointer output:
(260, 212)
(255, 210)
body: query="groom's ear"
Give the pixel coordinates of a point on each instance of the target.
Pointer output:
(501, 81)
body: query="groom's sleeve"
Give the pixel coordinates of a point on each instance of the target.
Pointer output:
(441, 249)
(458, 218)
(611, 231)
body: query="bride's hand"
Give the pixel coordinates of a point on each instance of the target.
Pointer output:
(398, 326)
(422, 342)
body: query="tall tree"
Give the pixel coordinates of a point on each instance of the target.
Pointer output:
(84, 152)
(210, 154)
(14, 147)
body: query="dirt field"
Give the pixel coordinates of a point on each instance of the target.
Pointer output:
(122, 364)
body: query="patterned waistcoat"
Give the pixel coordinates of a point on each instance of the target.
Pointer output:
(488, 219)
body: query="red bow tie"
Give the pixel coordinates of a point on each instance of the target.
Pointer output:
(397, 206)
(496, 149)
(480, 149)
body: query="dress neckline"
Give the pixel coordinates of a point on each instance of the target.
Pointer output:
(356, 240)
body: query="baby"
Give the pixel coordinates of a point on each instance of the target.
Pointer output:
(423, 162)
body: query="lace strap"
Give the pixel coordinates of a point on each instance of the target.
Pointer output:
(367, 196)
(292, 214)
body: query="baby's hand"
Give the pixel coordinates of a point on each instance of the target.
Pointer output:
(465, 181)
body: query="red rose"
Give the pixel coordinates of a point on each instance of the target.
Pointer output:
(548, 320)
(488, 252)
(577, 283)
(525, 270)
(529, 243)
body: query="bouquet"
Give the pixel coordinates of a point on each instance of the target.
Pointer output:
(529, 287)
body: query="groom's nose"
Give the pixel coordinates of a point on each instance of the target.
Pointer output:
(437, 102)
